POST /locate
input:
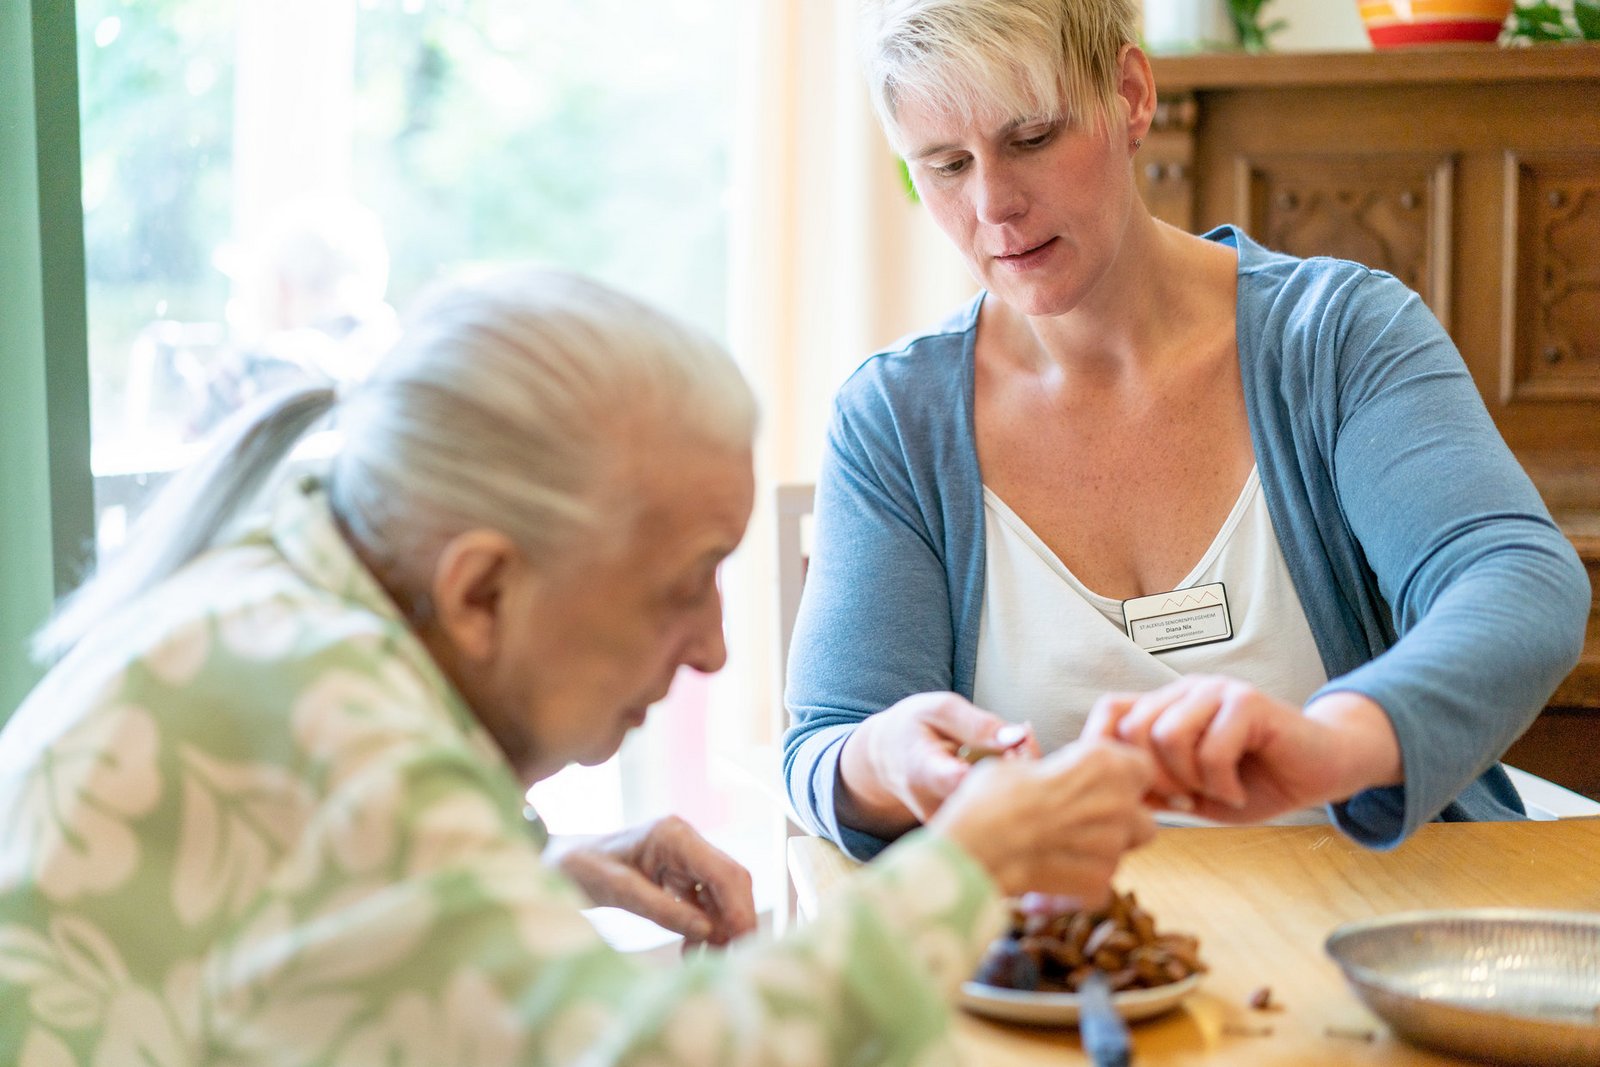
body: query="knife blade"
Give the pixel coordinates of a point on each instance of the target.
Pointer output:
(1105, 1035)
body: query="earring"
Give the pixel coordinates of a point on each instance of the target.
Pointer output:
(1137, 141)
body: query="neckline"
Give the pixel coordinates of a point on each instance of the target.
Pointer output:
(1241, 506)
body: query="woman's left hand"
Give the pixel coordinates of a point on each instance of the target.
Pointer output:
(1239, 755)
(666, 872)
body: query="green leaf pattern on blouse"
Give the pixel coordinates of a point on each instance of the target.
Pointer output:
(249, 822)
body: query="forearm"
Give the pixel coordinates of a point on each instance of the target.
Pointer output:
(868, 977)
(1468, 676)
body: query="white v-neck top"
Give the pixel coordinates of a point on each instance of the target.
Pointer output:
(1048, 646)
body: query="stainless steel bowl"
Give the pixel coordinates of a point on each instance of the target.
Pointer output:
(1498, 984)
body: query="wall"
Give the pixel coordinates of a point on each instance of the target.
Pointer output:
(1318, 26)
(1173, 26)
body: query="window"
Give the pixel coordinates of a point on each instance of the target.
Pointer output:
(224, 145)
(265, 181)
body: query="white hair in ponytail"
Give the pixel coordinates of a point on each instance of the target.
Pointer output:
(191, 511)
(508, 403)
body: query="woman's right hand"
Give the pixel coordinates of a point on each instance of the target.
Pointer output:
(1057, 825)
(901, 764)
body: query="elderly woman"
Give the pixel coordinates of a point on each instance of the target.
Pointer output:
(1243, 510)
(269, 807)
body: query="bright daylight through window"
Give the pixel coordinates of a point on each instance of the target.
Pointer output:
(265, 181)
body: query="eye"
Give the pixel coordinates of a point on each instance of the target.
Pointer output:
(949, 168)
(1036, 139)
(693, 592)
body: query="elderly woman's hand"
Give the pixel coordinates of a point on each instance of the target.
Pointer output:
(1232, 753)
(1056, 825)
(666, 872)
(900, 765)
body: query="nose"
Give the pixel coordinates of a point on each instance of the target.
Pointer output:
(706, 650)
(999, 195)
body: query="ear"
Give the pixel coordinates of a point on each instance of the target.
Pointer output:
(1136, 86)
(476, 582)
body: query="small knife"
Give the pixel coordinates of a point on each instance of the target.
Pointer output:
(1105, 1035)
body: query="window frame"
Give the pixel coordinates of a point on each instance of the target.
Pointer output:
(47, 489)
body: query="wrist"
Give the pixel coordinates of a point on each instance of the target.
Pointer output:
(1366, 753)
(863, 799)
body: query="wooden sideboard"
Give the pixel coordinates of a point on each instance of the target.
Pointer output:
(1473, 174)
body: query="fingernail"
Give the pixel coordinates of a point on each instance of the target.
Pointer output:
(1010, 735)
(1180, 802)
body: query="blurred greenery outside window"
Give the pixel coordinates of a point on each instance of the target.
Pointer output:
(594, 134)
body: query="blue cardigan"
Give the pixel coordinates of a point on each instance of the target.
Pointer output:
(1433, 578)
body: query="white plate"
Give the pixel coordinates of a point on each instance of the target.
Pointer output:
(1061, 1009)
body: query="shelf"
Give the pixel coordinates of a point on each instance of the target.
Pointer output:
(1389, 67)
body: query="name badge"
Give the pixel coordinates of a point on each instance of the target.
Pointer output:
(1162, 622)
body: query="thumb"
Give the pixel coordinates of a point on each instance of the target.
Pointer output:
(963, 721)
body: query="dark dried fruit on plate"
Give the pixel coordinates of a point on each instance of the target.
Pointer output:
(1008, 965)
(1054, 951)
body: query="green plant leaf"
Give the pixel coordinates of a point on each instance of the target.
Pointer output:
(1587, 14)
(1246, 17)
(906, 182)
(1540, 22)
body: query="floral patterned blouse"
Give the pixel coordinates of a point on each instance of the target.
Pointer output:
(247, 821)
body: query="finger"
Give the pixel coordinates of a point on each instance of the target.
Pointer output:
(1219, 754)
(1029, 748)
(1143, 830)
(1006, 739)
(1150, 713)
(1011, 735)
(1084, 878)
(933, 782)
(1106, 714)
(960, 721)
(1133, 725)
(1163, 790)
(729, 901)
(1154, 790)
(1175, 735)
(1136, 722)
(695, 870)
(675, 911)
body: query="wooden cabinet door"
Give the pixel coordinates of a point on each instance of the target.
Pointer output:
(1391, 211)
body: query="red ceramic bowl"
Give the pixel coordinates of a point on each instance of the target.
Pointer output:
(1395, 23)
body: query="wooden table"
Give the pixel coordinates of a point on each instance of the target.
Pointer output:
(1262, 900)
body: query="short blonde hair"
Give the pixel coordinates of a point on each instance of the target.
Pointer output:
(1016, 57)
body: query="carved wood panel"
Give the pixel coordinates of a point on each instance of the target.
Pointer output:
(1165, 170)
(1551, 349)
(1389, 211)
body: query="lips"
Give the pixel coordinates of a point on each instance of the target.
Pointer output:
(1024, 256)
(635, 716)
(1022, 250)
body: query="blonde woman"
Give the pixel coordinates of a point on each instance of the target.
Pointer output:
(1243, 510)
(268, 807)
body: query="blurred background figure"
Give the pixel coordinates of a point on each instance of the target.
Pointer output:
(310, 308)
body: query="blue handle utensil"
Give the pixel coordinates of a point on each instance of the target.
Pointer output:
(1105, 1035)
